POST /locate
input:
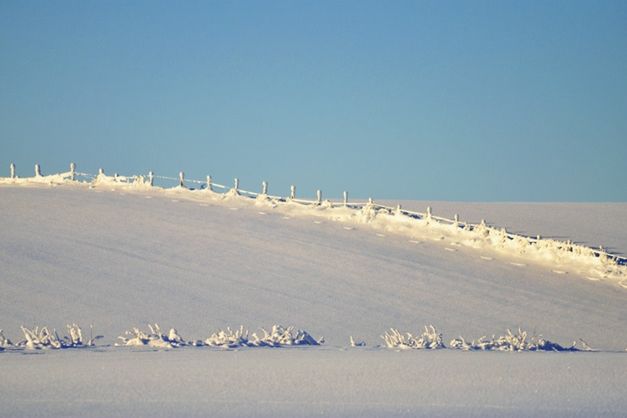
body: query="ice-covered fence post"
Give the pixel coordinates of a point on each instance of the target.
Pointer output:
(370, 201)
(456, 219)
(209, 181)
(12, 169)
(264, 187)
(72, 171)
(318, 196)
(181, 179)
(345, 197)
(151, 177)
(398, 209)
(292, 192)
(428, 211)
(101, 171)
(236, 183)
(37, 170)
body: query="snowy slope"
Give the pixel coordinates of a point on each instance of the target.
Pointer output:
(119, 258)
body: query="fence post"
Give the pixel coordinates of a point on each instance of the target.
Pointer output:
(456, 218)
(428, 211)
(101, 172)
(370, 202)
(264, 187)
(292, 192)
(318, 196)
(209, 181)
(37, 170)
(181, 179)
(398, 209)
(151, 178)
(72, 171)
(345, 197)
(236, 183)
(12, 169)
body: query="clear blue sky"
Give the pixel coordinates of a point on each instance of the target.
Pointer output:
(450, 100)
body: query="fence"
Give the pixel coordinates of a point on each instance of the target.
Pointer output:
(209, 184)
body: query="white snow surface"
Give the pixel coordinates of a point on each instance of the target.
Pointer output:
(112, 257)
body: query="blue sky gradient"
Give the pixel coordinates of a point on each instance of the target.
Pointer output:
(457, 100)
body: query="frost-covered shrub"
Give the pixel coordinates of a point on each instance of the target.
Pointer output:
(430, 339)
(228, 338)
(38, 338)
(280, 336)
(277, 336)
(520, 341)
(354, 343)
(4, 341)
(154, 338)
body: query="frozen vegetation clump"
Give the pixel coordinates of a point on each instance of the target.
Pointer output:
(520, 341)
(38, 338)
(228, 338)
(154, 338)
(354, 343)
(430, 339)
(4, 341)
(280, 336)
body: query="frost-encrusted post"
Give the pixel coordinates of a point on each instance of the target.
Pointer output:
(370, 201)
(151, 178)
(209, 181)
(72, 171)
(345, 197)
(12, 169)
(236, 184)
(264, 187)
(181, 179)
(456, 217)
(428, 211)
(37, 170)
(101, 172)
(318, 196)
(292, 192)
(398, 210)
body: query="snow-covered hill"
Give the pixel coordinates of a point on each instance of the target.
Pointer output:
(117, 258)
